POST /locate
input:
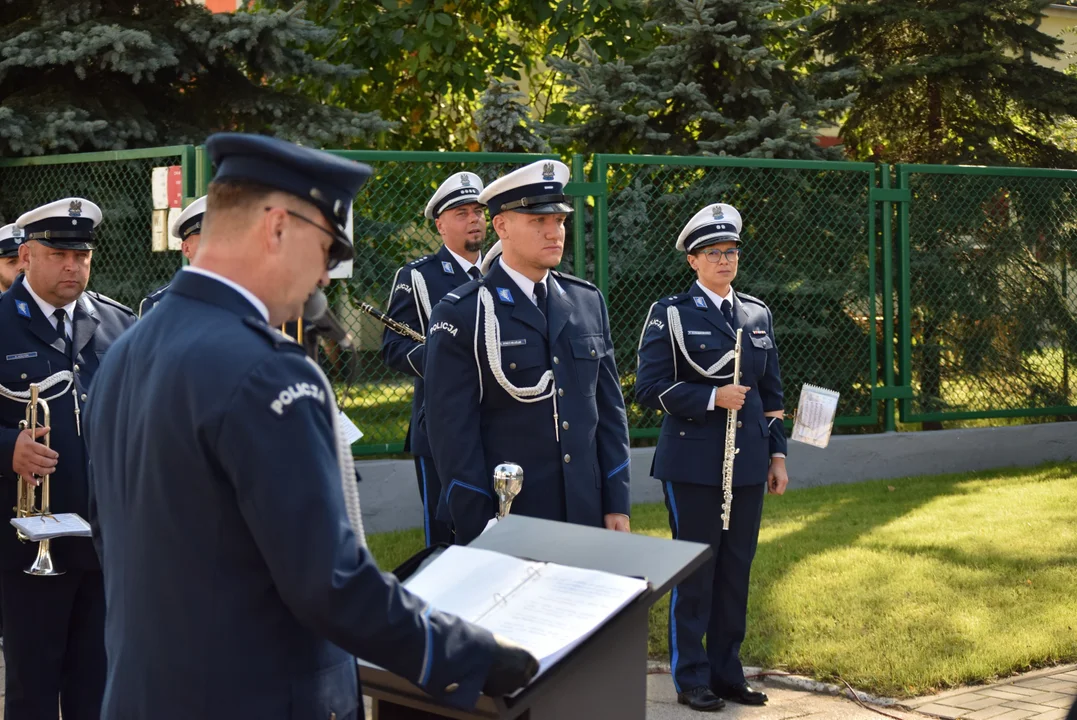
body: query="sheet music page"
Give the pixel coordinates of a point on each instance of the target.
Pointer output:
(559, 609)
(351, 432)
(815, 416)
(548, 609)
(468, 581)
(38, 527)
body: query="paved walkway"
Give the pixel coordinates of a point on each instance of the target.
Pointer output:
(1039, 695)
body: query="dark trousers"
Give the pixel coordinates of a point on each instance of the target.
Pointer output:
(713, 601)
(54, 645)
(435, 530)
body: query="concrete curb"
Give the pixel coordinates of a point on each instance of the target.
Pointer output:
(791, 682)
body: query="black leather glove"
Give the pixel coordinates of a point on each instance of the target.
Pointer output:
(512, 668)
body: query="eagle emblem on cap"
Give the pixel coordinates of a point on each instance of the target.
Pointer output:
(718, 214)
(465, 180)
(75, 208)
(547, 171)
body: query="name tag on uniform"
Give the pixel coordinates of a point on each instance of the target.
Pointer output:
(700, 302)
(699, 332)
(447, 267)
(22, 356)
(759, 332)
(513, 343)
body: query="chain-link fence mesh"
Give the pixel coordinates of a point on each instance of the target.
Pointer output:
(991, 312)
(992, 308)
(806, 242)
(125, 266)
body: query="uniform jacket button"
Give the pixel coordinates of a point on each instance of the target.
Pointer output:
(740, 424)
(555, 360)
(83, 397)
(593, 353)
(512, 366)
(568, 458)
(682, 433)
(702, 347)
(23, 376)
(564, 425)
(452, 687)
(560, 391)
(76, 368)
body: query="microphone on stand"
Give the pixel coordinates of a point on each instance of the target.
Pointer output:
(316, 311)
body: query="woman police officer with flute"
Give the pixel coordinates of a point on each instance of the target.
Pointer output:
(686, 370)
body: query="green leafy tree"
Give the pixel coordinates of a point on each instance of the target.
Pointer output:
(952, 82)
(505, 123)
(716, 82)
(79, 75)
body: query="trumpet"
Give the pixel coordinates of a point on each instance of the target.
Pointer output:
(394, 325)
(26, 498)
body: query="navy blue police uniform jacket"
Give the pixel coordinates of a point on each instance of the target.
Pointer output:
(32, 351)
(150, 301)
(576, 466)
(234, 583)
(691, 444)
(442, 273)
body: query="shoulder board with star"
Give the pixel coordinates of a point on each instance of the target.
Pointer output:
(572, 278)
(420, 261)
(105, 300)
(750, 299)
(674, 299)
(469, 288)
(275, 337)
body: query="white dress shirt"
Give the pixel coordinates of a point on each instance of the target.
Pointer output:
(48, 310)
(251, 297)
(467, 265)
(527, 285)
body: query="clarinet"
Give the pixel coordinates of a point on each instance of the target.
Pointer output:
(730, 443)
(395, 326)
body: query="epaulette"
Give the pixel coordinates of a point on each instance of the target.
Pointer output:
(276, 338)
(104, 299)
(468, 288)
(674, 299)
(572, 278)
(420, 261)
(751, 299)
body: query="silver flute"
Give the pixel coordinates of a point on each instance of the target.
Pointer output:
(730, 444)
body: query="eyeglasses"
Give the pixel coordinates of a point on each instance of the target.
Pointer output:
(331, 262)
(714, 255)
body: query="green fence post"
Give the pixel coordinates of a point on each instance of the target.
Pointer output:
(889, 418)
(904, 291)
(602, 249)
(579, 232)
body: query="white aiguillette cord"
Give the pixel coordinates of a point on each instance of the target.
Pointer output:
(543, 389)
(63, 376)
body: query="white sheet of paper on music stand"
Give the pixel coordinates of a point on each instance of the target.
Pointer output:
(815, 416)
(351, 432)
(547, 608)
(38, 527)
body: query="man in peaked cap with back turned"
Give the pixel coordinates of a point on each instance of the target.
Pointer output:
(55, 333)
(520, 368)
(225, 504)
(188, 229)
(10, 262)
(417, 287)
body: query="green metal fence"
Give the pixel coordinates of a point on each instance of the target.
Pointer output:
(921, 293)
(988, 310)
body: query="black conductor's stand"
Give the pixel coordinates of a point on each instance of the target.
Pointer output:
(606, 676)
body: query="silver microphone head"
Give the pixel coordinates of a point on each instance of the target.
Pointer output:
(508, 481)
(316, 305)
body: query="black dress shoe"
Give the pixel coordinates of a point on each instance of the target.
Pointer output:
(701, 698)
(743, 694)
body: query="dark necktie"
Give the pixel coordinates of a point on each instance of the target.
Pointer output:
(61, 329)
(727, 311)
(540, 297)
(474, 272)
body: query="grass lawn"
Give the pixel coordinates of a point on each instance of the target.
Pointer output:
(901, 587)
